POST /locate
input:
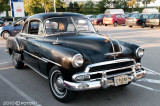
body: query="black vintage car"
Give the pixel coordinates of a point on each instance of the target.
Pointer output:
(66, 49)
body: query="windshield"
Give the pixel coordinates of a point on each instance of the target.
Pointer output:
(135, 16)
(83, 25)
(68, 24)
(100, 16)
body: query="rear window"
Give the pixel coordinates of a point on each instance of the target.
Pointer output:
(135, 16)
(100, 16)
(153, 16)
(108, 16)
(144, 16)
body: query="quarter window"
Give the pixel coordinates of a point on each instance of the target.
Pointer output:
(25, 28)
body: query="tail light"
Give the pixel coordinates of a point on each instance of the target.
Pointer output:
(2, 24)
(137, 19)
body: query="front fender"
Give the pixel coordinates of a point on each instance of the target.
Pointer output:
(131, 50)
(12, 43)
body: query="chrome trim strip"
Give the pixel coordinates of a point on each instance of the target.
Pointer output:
(51, 61)
(35, 56)
(43, 59)
(107, 62)
(36, 71)
(113, 54)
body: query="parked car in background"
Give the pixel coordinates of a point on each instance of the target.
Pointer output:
(98, 20)
(6, 19)
(127, 15)
(66, 50)
(132, 20)
(91, 17)
(141, 21)
(153, 20)
(1, 23)
(114, 19)
(12, 29)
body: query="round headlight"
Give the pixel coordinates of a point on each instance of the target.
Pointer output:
(139, 52)
(77, 60)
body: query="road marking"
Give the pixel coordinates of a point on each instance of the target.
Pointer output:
(4, 63)
(143, 86)
(151, 81)
(20, 92)
(4, 68)
(151, 71)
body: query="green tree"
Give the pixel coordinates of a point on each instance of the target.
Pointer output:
(46, 4)
(88, 7)
(102, 5)
(70, 7)
(60, 6)
(4, 5)
(32, 6)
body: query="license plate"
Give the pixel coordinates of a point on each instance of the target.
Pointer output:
(151, 20)
(121, 80)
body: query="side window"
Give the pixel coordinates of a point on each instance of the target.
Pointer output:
(25, 28)
(118, 16)
(122, 16)
(34, 27)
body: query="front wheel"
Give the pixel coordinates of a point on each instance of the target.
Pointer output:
(115, 24)
(5, 34)
(57, 88)
(100, 23)
(16, 59)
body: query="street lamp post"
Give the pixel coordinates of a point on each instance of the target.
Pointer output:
(54, 5)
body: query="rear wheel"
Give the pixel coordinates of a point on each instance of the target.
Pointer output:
(130, 26)
(152, 26)
(105, 24)
(115, 24)
(57, 88)
(143, 25)
(5, 34)
(100, 23)
(18, 64)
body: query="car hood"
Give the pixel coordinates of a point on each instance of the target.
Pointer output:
(97, 47)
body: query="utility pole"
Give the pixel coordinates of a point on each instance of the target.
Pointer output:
(54, 5)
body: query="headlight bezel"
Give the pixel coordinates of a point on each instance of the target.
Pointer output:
(75, 64)
(139, 52)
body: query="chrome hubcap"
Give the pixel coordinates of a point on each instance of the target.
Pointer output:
(6, 35)
(57, 84)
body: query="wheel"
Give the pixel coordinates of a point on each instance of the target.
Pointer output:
(16, 59)
(115, 24)
(130, 26)
(100, 23)
(152, 26)
(56, 85)
(105, 24)
(5, 34)
(143, 25)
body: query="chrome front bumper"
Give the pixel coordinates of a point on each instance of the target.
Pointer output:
(102, 83)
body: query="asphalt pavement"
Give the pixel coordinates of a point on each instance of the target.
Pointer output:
(25, 87)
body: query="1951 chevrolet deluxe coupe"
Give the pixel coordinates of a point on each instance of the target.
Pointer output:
(66, 49)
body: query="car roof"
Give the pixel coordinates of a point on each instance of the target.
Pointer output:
(43, 16)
